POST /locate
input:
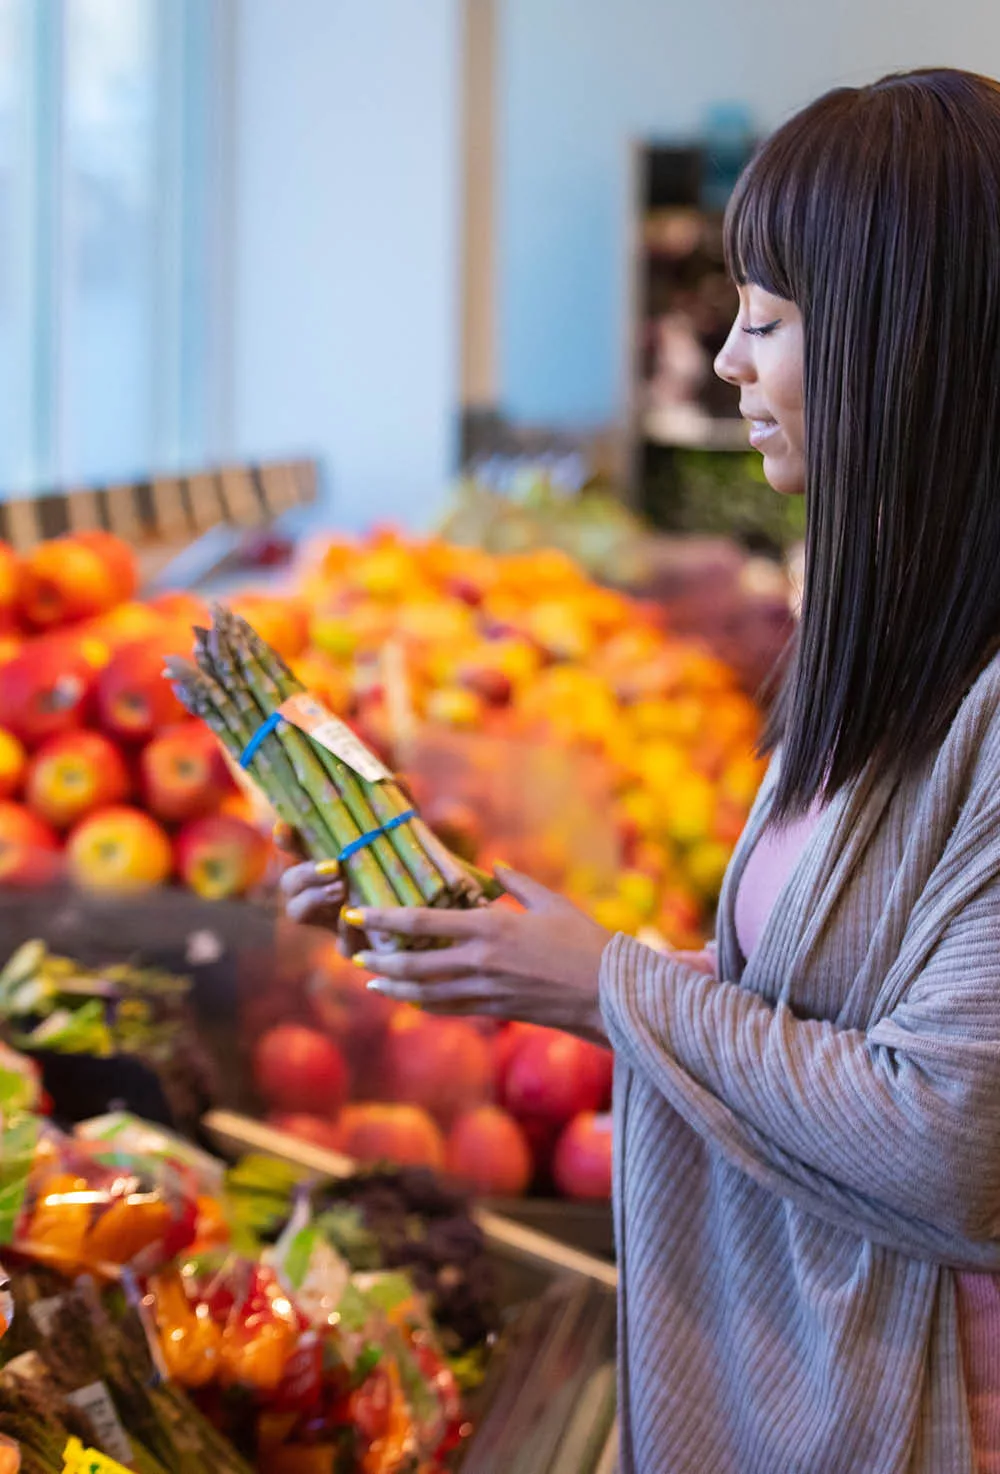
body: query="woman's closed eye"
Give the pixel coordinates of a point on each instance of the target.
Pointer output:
(763, 330)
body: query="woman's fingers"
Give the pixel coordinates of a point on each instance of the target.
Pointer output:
(481, 995)
(308, 876)
(531, 893)
(350, 941)
(317, 905)
(422, 967)
(416, 921)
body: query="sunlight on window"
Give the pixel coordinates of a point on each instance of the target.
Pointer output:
(107, 191)
(16, 219)
(110, 236)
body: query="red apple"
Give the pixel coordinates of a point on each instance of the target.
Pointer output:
(134, 699)
(73, 774)
(28, 847)
(342, 1004)
(45, 690)
(64, 580)
(298, 1070)
(117, 557)
(381, 1132)
(125, 624)
(488, 1153)
(183, 773)
(221, 856)
(554, 1076)
(505, 1044)
(582, 1162)
(441, 1064)
(13, 764)
(313, 1129)
(120, 849)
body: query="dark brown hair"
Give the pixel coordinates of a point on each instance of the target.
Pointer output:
(877, 211)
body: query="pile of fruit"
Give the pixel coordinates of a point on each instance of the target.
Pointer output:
(537, 717)
(501, 1110)
(527, 662)
(101, 770)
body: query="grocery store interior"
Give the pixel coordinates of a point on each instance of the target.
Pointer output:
(356, 359)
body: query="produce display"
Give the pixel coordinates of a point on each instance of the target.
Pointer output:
(172, 1317)
(52, 1005)
(334, 792)
(528, 668)
(501, 1110)
(531, 715)
(102, 774)
(701, 574)
(454, 665)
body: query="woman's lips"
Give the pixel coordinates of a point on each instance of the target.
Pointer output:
(760, 431)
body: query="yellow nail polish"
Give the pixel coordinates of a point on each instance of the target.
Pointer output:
(353, 916)
(328, 868)
(502, 865)
(360, 960)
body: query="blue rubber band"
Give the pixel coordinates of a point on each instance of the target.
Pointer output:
(364, 840)
(265, 729)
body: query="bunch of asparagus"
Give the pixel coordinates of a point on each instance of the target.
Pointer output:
(235, 684)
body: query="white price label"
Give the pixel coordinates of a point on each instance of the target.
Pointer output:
(95, 1402)
(312, 717)
(43, 1313)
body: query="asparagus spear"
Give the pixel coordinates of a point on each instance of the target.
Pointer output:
(217, 660)
(437, 872)
(343, 782)
(325, 831)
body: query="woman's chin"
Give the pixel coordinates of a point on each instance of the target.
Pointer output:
(785, 474)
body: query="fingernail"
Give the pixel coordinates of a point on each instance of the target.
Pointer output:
(501, 865)
(354, 916)
(360, 959)
(328, 867)
(374, 985)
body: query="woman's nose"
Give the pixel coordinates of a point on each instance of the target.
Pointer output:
(734, 361)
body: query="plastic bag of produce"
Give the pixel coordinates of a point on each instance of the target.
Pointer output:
(399, 1389)
(81, 1212)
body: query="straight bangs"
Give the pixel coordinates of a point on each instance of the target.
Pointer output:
(877, 212)
(768, 234)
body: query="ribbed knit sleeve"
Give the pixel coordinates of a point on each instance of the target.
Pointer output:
(894, 1132)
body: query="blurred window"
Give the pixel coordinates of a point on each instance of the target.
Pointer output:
(108, 326)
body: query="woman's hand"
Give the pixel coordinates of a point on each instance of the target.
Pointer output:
(315, 895)
(540, 966)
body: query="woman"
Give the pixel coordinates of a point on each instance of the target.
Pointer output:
(807, 1190)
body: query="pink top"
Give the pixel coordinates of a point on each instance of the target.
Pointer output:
(768, 867)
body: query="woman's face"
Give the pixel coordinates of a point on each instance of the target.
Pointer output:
(763, 357)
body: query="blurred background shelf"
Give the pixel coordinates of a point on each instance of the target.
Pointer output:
(693, 432)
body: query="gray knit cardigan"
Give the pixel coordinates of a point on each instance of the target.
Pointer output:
(807, 1149)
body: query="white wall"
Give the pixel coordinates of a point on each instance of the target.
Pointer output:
(579, 78)
(346, 236)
